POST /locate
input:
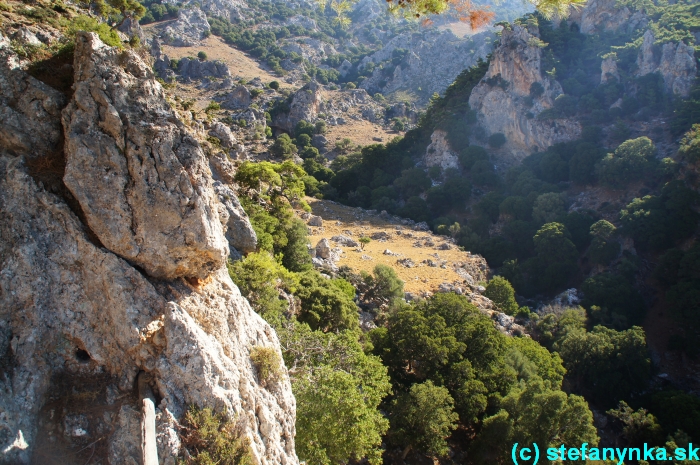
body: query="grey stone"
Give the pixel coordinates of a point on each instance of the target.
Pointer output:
(223, 133)
(323, 249)
(345, 240)
(30, 111)
(189, 29)
(239, 232)
(238, 98)
(140, 178)
(315, 221)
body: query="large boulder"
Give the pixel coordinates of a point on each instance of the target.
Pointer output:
(223, 133)
(140, 178)
(30, 111)
(78, 323)
(189, 29)
(238, 98)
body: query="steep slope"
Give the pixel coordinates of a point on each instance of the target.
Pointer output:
(77, 309)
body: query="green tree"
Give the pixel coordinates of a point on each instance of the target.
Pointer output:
(295, 255)
(690, 145)
(326, 304)
(338, 389)
(384, 285)
(202, 56)
(497, 140)
(500, 291)
(423, 418)
(412, 182)
(606, 364)
(337, 417)
(548, 207)
(556, 256)
(533, 412)
(604, 248)
(283, 147)
(260, 278)
(630, 162)
(639, 426)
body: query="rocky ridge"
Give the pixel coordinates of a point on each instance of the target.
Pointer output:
(433, 60)
(76, 307)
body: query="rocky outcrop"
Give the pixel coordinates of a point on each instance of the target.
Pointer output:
(608, 70)
(192, 68)
(304, 106)
(29, 110)
(89, 312)
(78, 323)
(237, 99)
(439, 152)
(189, 29)
(229, 9)
(141, 179)
(434, 60)
(605, 15)
(223, 133)
(131, 28)
(504, 101)
(161, 62)
(675, 62)
(237, 227)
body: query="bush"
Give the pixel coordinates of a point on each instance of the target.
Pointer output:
(497, 140)
(213, 106)
(267, 362)
(85, 23)
(202, 56)
(502, 294)
(212, 438)
(274, 85)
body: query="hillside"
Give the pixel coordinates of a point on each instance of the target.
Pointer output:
(280, 232)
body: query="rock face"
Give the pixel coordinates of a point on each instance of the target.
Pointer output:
(605, 15)
(239, 231)
(78, 323)
(608, 70)
(675, 62)
(142, 181)
(29, 110)
(439, 152)
(191, 27)
(433, 61)
(131, 28)
(502, 98)
(304, 106)
(192, 68)
(237, 99)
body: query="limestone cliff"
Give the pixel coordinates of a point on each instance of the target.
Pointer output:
(675, 62)
(606, 15)
(504, 101)
(79, 319)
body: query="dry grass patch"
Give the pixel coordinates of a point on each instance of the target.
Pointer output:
(338, 219)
